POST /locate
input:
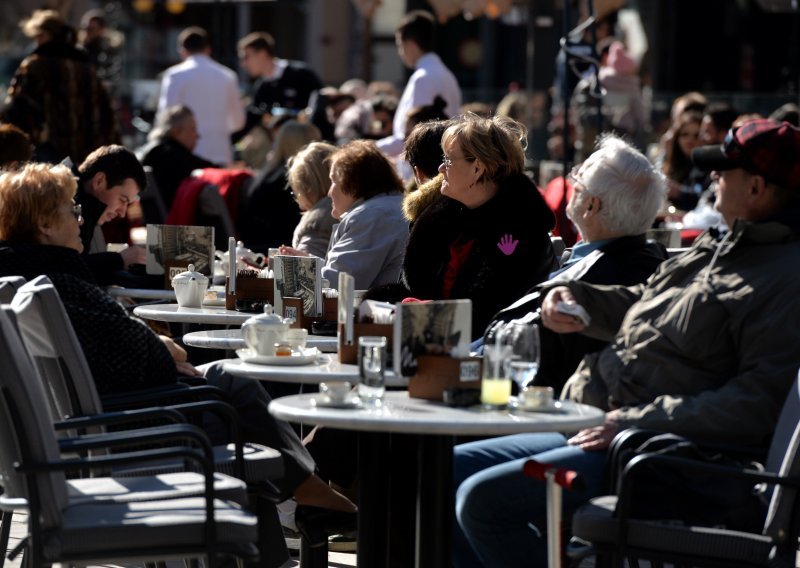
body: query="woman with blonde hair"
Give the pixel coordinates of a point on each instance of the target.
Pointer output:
(488, 239)
(309, 181)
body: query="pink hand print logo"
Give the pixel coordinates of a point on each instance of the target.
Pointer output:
(508, 245)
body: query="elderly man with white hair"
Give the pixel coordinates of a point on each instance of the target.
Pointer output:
(616, 195)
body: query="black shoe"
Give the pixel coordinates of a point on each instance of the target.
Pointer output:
(316, 523)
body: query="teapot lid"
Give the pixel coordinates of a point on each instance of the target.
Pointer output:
(269, 317)
(190, 274)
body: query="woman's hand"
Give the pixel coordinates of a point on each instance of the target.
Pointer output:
(289, 251)
(555, 320)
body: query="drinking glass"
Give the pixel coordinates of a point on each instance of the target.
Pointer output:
(496, 382)
(522, 361)
(371, 368)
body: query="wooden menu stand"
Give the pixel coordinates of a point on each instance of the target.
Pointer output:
(436, 373)
(250, 289)
(293, 308)
(349, 353)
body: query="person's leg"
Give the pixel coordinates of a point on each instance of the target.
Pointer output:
(473, 457)
(503, 513)
(259, 426)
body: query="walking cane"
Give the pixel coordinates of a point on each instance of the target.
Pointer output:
(555, 479)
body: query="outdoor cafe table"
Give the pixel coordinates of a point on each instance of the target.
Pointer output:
(432, 426)
(209, 315)
(326, 368)
(231, 339)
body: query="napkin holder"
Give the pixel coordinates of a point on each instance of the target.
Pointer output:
(250, 289)
(293, 308)
(437, 373)
(349, 353)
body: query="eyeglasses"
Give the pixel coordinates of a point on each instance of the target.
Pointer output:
(448, 162)
(572, 177)
(77, 211)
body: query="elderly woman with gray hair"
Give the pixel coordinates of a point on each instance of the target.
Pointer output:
(488, 239)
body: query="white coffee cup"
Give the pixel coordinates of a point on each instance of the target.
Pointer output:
(336, 391)
(537, 397)
(296, 337)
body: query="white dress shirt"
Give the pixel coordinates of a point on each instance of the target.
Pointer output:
(211, 90)
(430, 78)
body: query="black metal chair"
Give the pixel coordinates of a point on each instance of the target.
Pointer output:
(609, 529)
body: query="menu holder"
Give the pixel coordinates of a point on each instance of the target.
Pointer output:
(250, 289)
(171, 269)
(437, 373)
(293, 308)
(349, 353)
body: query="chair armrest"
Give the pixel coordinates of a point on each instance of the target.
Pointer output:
(120, 417)
(13, 503)
(632, 471)
(631, 438)
(172, 432)
(156, 396)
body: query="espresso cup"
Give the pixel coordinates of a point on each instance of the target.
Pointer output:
(336, 391)
(537, 397)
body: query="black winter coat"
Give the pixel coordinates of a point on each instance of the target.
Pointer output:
(511, 249)
(122, 352)
(625, 261)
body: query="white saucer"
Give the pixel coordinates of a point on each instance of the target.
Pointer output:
(554, 408)
(307, 357)
(324, 401)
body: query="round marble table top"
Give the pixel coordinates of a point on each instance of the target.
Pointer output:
(173, 313)
(403, 414)
(326, 368)
(232, 339)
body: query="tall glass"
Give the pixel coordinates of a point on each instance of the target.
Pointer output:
(496, 382)
(522, 362)
(371, 368)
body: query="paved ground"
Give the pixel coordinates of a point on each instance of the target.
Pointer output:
(18, 527)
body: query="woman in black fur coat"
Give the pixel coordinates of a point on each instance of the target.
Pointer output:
(488, 239)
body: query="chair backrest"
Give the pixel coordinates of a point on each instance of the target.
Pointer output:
(212, 210)
(26, 430)
(8, 287)
(51, 342)
(154, 210)
(784, 458)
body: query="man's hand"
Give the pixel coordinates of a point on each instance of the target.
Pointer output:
(555, 320)
(133, 255)
(599, 437)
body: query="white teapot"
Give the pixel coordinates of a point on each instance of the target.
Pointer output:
(245, 258)
(190, 288)
(262, 332)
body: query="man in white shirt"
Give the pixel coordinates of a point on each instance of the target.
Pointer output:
(210, 90)
(414, 39)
